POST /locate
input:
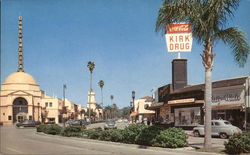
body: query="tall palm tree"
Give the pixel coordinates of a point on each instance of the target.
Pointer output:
(111, 108)
(208, 20)
(101, 84)
(91, 66)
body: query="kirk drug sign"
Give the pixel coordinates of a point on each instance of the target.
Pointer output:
(179, 37)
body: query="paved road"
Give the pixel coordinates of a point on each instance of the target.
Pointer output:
(27, 141)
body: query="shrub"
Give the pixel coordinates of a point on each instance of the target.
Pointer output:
(53, 129)
(93, 134)
(238, 143)
(114, 135)
(72, 132)
(171, 138)
(41, 128)
(147, 135)
(130, 132)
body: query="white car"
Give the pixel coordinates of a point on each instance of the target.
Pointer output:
(220, 128)
(119, 121)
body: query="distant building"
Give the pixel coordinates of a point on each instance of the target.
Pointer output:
(140, 114)
(93, 106)
(22, 99)
(52, 109)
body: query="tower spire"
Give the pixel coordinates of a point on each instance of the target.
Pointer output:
(20, 44)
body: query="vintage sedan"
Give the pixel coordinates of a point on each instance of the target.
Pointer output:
(28, 123)
(221, 128)
(110, 124)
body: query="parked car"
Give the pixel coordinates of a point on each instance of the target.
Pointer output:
(68, 122)
(119, 121)
(27, 123)
(221, 128)
(79, 123)
(110, 124)
(125, 120)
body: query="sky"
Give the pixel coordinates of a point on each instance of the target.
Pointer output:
(61, 36)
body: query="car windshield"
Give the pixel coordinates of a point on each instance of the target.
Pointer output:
(227, 123)
(110, 122)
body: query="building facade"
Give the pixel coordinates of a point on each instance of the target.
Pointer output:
(230, 101)
(22, 99)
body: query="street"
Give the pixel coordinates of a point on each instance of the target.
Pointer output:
(27, 141)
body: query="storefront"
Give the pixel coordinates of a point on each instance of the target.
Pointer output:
(228, 103)
(186, 113)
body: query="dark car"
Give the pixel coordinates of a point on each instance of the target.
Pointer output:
(28, 123)
(110, 124)
(78, 123)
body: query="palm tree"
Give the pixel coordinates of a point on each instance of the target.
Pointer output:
(91, 66)
(101, 84)
(208, 20)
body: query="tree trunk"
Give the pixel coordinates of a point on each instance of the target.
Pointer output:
(90, 93)
(208, 60)
(208, 96)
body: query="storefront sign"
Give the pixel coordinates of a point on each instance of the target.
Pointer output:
(190, 100)
(228, 96)
(179, 37)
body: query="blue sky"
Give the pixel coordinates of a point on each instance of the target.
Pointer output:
(61, 36)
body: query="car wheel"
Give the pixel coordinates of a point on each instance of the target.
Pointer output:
(196, 133)
(223, 135)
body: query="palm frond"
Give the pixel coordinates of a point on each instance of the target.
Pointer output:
(237, 41)
(175, 11)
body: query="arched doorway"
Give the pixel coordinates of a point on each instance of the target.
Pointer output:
(20, 109)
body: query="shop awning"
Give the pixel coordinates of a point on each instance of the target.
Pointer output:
(133, 114)
(229, 106)
(154, 106)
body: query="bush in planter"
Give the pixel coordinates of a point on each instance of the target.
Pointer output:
(131, 132)
(114, 135)
(147, 135)
(71, 131)
(238, 143)
(171, 138)
(53, 129)
(42, 128)
(93, 134)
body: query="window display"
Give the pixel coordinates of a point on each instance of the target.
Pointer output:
(187, 116)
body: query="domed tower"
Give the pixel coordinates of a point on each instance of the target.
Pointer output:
(20, 94)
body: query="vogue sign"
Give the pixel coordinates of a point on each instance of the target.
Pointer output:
(179, 37)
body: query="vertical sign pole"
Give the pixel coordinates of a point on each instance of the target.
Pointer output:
(179, 55)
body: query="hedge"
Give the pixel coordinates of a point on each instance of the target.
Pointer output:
(171, 138)
(134, 134)
(53, 129)
(238, 143)
(131, 132)
(72, 131)
(114, 135)
(147, 135)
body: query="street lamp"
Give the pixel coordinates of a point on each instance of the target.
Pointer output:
(133, 97)
(64, 109)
